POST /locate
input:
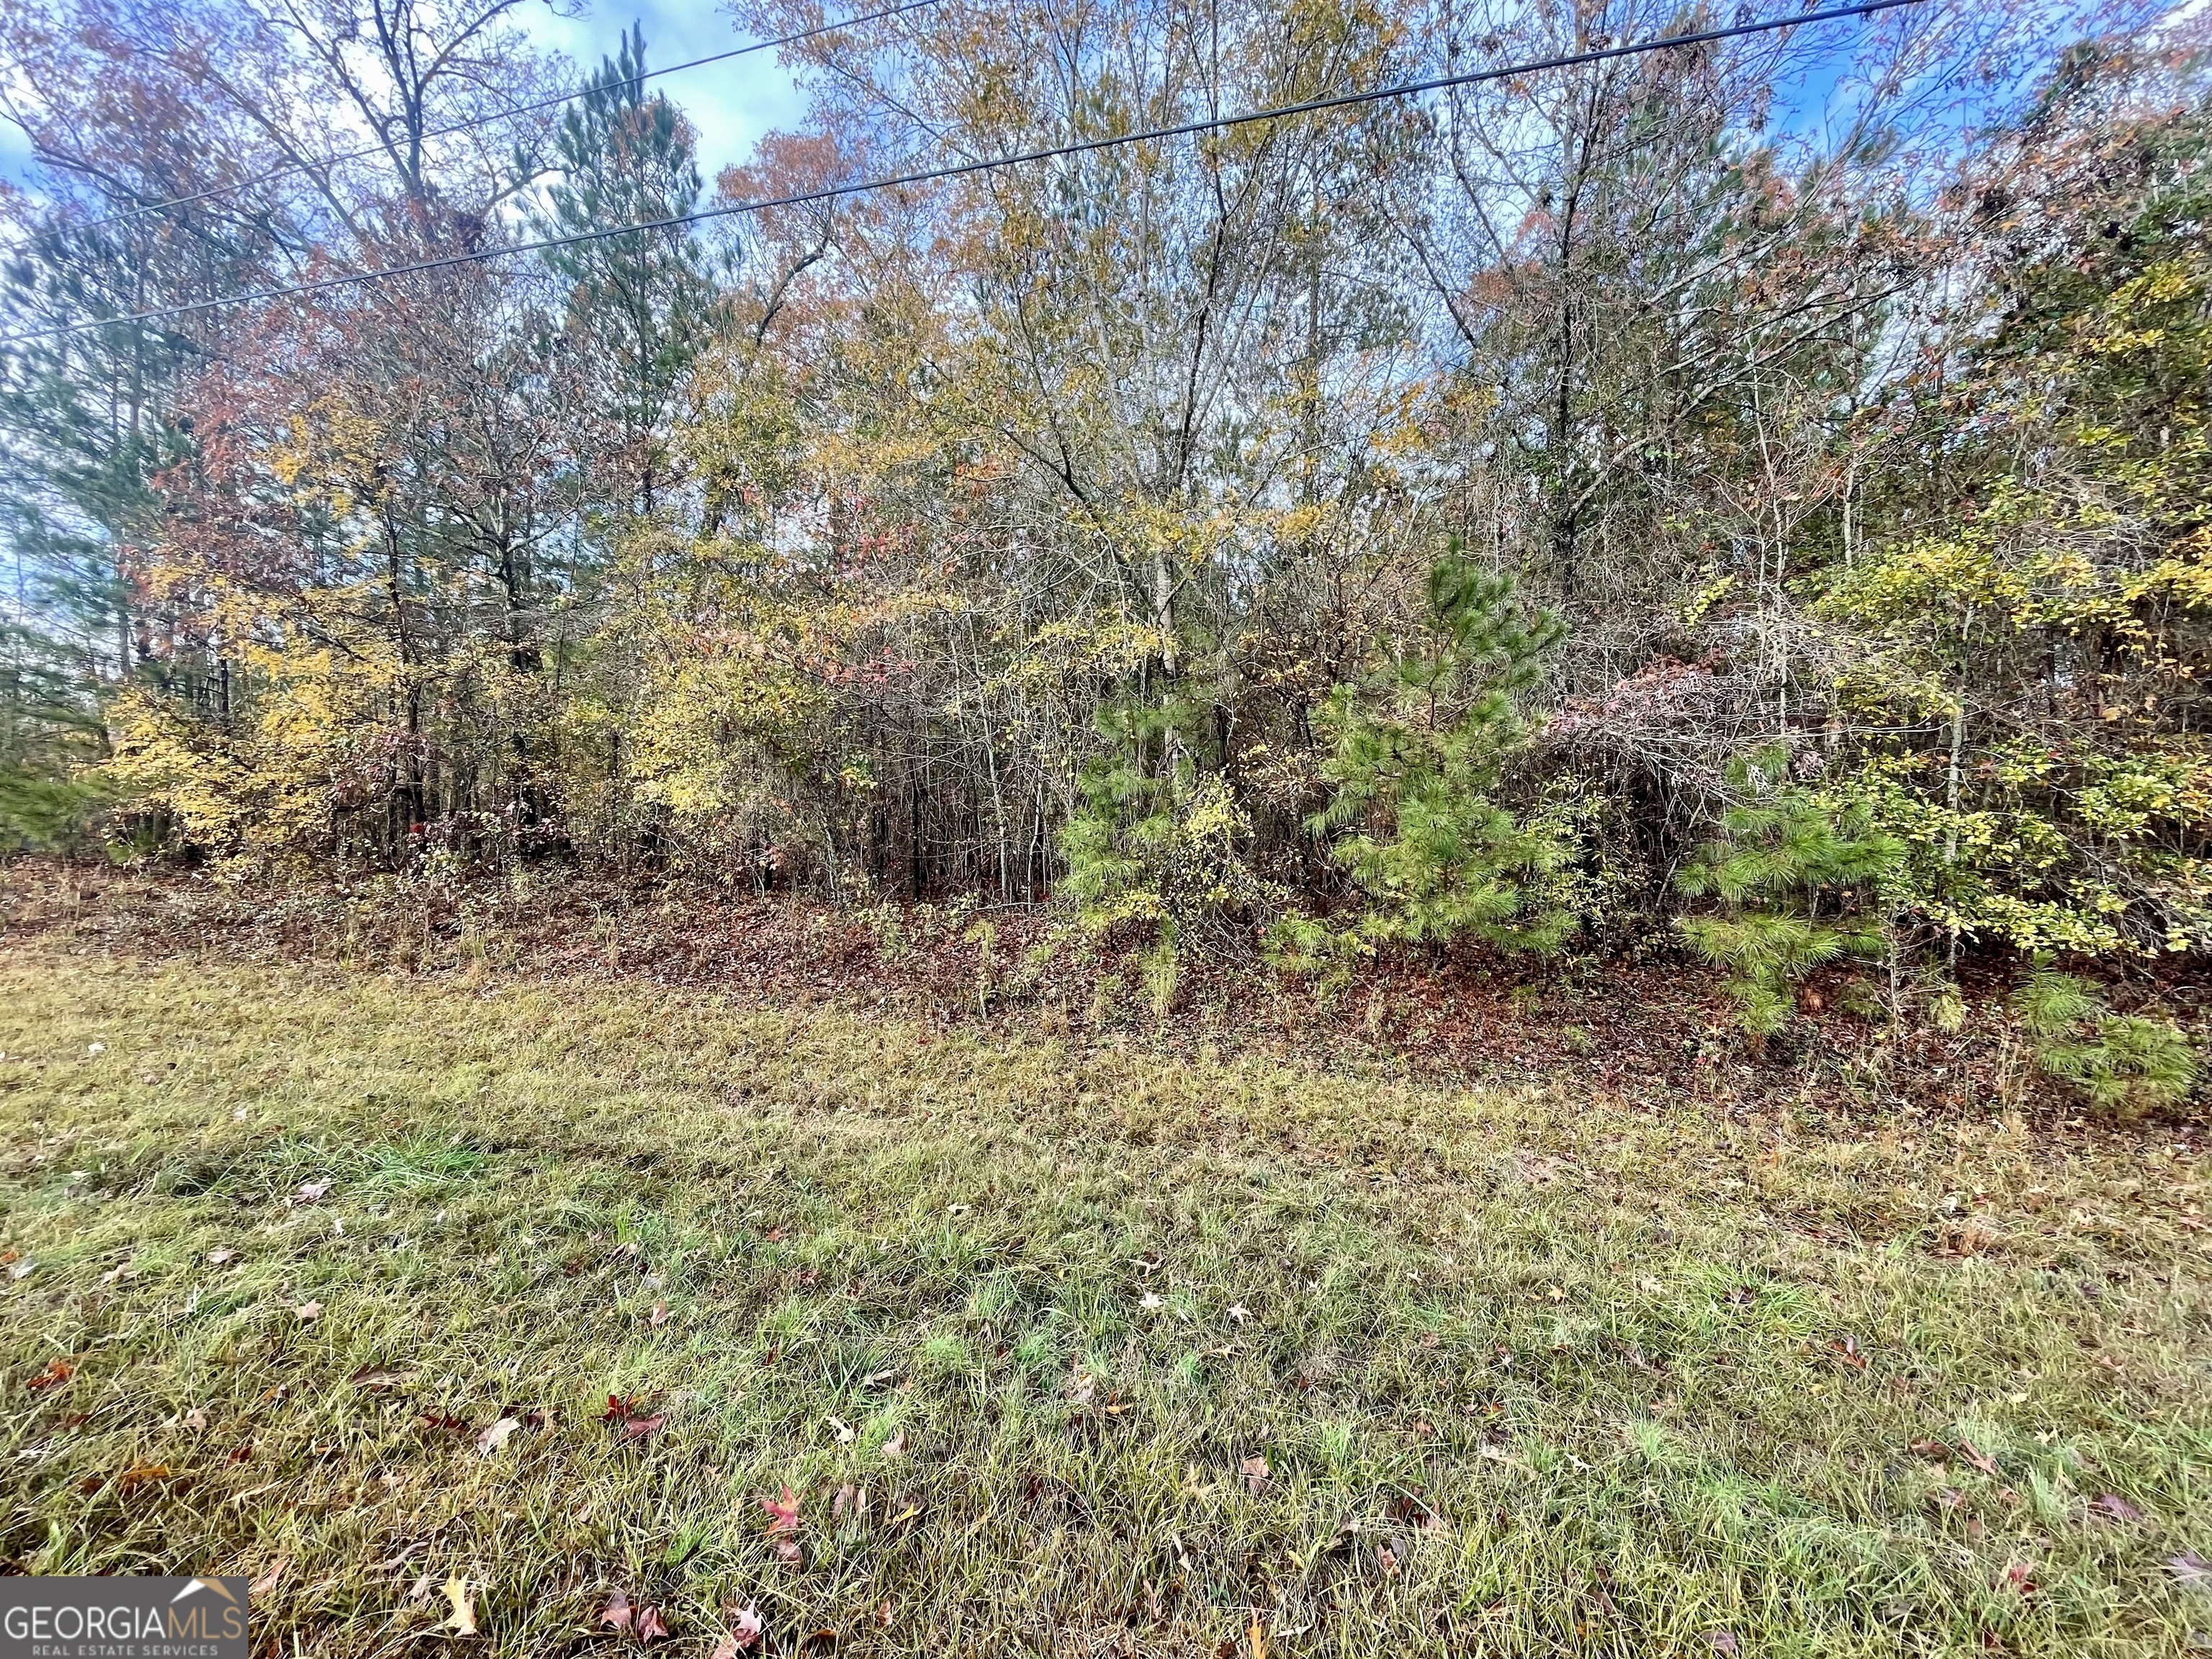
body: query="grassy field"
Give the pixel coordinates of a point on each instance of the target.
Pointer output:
(1055, 1347)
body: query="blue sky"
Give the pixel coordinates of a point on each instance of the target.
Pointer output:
(731, 104)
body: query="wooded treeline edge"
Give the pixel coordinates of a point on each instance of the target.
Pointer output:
(1750, 497)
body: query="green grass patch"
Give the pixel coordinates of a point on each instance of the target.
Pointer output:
(1062, 1348)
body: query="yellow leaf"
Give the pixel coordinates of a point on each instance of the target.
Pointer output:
(464, 1621)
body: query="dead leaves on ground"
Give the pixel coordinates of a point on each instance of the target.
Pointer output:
(642, 1619)
(746, 1633)
(1937, 1452)
(783, 1525)
(463, 1621)
(56, 1372)
(630, 1420)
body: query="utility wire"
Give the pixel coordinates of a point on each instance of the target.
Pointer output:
(892, 181)
(508, 113)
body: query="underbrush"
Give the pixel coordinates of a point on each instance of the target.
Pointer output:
(1632, 1023)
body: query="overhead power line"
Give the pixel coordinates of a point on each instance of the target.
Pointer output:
(508, 113)
(892, 181)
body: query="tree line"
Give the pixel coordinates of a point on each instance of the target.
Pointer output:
(1751, 496)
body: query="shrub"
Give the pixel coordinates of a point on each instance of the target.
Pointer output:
(2118, 1062)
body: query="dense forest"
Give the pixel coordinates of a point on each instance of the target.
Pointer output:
(1748, 498)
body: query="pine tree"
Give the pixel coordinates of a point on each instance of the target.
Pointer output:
(641, 305)
(1793, 876)
(1416, 757)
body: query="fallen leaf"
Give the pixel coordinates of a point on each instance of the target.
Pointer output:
(636, 1428)
(2114, 1507)
(1149, 1300)
(1722, 1641)
(56, 1371)
(649, 1626)
(785, 1513)
(1932, 1449)
(744, 1635)
(1846, 1348)
(1259, 1639)
(376, 1377)
(1986, 1464)
(658, 1315)
(1257, 1476)
(309, 1312)
(221, 1256)
(464, 1621)
(494, 1437)
(789, 1553)
(24, 1268)
(844, 1431)
(144, 1475)
(312, 1192)
(2016, 1579)
(2191, 1570)
(615, 1615)
(895, 1446)
(196, 1420)
(1239, 1312)
(267, 1583)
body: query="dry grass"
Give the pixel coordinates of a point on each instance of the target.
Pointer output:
(1532, 1373)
